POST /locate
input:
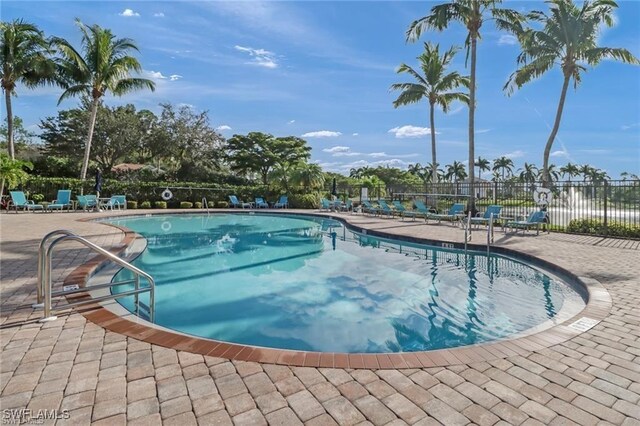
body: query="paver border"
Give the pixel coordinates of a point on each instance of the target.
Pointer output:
(598, 306)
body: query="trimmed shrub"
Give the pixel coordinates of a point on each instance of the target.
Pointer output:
(132, 205)
(197, 205)
(613, 229)
(145, 205)
(304, 201)
(186, 205)
(160, 204)
(37, 198)
(222, 204)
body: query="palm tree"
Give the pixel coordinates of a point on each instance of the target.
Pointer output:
(470, 13)
(429, 172)
(308, 175)
(529, 173)
(103, 66)
(24, 54)
(554, 174)
(415, 169)
(456, 172)
(483, 165)
(504, 164)
(570, 170)
(586, 171)
(435, 85)
(569, 38)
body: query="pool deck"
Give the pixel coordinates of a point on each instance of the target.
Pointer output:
(105, 377)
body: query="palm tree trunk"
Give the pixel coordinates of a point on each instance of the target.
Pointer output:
(87, 147)
(434, 166)
(554, 132)
(10, 147)
(472, 111)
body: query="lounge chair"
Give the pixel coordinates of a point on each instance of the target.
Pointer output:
(535, 219)
(367, 207)
(62, 201)
(422, 209)
(325, 204)
(19, 200)
(234, 202)
(86, 202)
(347, 207)
(283, 203)
(455, 212)
(116, 201)
(403, 212)
(385, 209)
(261, 203)
(486, 217)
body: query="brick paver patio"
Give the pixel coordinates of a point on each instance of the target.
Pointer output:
(104, 377)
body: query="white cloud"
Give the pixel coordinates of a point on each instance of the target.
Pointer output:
(629, 126)
(515, 154)
(291, 121)
(482, 131)
(560, 153)
(157, 75)
(183, 105)
(410, 131)
(174, 77)
(128, 13)
(336, 149)
(159, 15)
(261, 57)
(223, 127)
(508, 40)
(355, 134)
(322, 134)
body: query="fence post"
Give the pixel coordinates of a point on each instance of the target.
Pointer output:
(606, 224)
(495, 192)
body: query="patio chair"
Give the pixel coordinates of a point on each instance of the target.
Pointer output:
(455, 212)
(535, 219)
(62, 201)
(116, 201)
(86, 202)
(403, 212)
(348, 206)
(283, 203)
(261, 203)
(385, 209)
(422, 209)
(325, 204)
(19, 200)
(367, 207)
(234, 202)
(484, 219)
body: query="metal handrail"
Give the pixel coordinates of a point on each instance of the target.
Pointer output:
(41, 271)
(467, 231)
(205, 204)
(46, 285)
(490, 234)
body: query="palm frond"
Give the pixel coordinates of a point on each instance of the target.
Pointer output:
(127, 85)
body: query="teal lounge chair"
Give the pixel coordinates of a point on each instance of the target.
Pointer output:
(348, 206)
(117, 201)
(86, 202)
(455, 212)
(234, 202)
(62, 201)
(367, 207)
(422, 209)
(484, 219)
(385, 209)
(325, 204)
(283, 203)
(535, 219)
(403, 212)
(261, 203)
(19, 200)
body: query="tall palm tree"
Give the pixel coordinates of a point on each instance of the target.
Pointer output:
(569, 38)
(415, 169)
(570, 170)
(429, 172)
(504, 164)
(529, 173)
(455, 172)
(470, 13)
(104, 65)
(434, 85)
(586, 171)
(483, 165)
(24, 53)
(554, 173)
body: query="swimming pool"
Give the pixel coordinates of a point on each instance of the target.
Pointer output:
(309, 283)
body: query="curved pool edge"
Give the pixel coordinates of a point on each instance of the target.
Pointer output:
(107, 315)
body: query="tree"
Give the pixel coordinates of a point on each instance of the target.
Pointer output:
(308, 175)
(528, 173)
(503, 164)
(104, 65)
(456, 172)
(24, 54)
(470, 13)
(483, 165)
(22, 138)
(569, 37)
(429, 170)
(554, 174)
(12, 172)
(259, 152)
(570, 170)
(434, 85)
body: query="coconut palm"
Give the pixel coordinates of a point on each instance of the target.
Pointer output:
(586, 171)
(554, 173)
(308, 175)
(503, 164)
(483, 165)
(434, 85)
(528, 173)
(570, 170)
(569, 38)
(24, 54)
(470, 13)
(103, 65)
(429, 172)
(455, 172)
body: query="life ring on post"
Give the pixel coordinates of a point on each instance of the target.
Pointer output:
(167, 194)
(542, 196)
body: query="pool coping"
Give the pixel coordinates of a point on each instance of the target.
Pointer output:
(598, 306)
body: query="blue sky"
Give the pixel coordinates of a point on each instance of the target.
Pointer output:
(322, 71)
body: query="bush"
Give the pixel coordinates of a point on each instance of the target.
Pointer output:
(132, 205)
(197, 205)
(222, 204)
(37, 198)
(186, 205)
(613, 229)
(160, 204)
(145, 205)
(304, 201)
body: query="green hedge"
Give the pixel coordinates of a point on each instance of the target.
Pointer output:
(186, 205)
(594, 226)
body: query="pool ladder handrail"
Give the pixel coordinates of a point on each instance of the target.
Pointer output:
(44, 284)
(467, 231)
(490, 234)
(205, 204)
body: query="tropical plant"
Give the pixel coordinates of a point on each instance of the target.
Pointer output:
(103, 65)
(434, 85)
(554, 173)
(569, 170)
(503, 164)
(470, 13)
(569, 38)
(429, 170)
(308, 175)
(528, 173)
(455, 172)
(586, 171)
(12, 172)
(24, 54)
(483, 165)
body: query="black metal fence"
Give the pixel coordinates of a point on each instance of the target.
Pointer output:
(609, 208)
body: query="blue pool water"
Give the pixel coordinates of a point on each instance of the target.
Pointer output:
(307, 283)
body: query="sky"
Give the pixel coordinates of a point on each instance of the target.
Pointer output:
(322, 71)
